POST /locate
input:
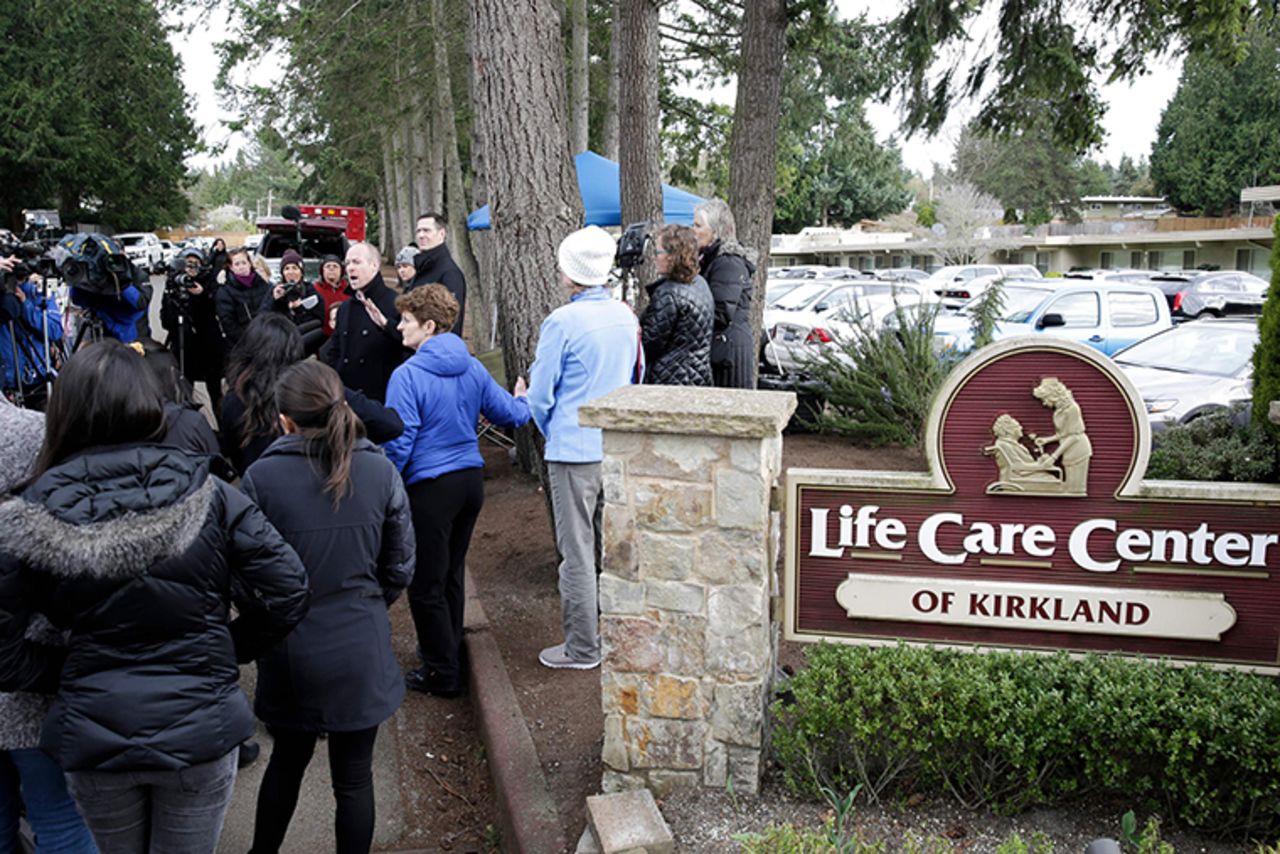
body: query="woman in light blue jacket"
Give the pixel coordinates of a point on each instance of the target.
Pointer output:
(439, 394)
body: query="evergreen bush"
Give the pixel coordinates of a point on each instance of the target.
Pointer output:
(1215, 447)
(1011, 731)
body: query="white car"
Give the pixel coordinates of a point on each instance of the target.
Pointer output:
(818, 296)
(958, 284)
(801, 337)
(143, 249)
(1193, 369)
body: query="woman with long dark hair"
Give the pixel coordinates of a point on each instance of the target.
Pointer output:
(140, 554)
(250, 420)
(440, 393)
(341, 505)
(676, 325)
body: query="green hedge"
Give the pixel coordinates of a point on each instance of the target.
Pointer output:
(1011, 731)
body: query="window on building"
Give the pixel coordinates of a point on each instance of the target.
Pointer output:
(1132, 309)
(1135, 260)
(1107, 260)
(1188, 259)
(882, 261)
(1095, 206)
(898, 261)
(1153, 259)
(1044, 260)
(866, 263)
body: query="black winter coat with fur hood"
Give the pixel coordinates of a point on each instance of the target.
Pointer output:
(140, 553)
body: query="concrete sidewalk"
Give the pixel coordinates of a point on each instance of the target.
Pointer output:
(311, 830)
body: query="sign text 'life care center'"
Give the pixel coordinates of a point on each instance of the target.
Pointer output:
(1034, 529)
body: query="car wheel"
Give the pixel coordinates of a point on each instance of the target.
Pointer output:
(1208, 312)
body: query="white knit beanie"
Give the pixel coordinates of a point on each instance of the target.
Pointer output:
(586, 256)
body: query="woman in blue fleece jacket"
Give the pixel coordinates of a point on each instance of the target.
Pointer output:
(439, 394)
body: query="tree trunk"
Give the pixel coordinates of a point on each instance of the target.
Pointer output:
(580, 85)
(387, 215)
(639, 166)
(455, 190)
(404, 184)
(420, 129)
(753, 150)
(609, 135)
(521, 115)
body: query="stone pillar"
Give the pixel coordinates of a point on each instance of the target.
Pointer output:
(690, 547)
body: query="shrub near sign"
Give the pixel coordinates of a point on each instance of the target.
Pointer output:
(1034, 529)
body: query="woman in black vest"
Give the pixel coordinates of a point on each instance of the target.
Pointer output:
(341, 505)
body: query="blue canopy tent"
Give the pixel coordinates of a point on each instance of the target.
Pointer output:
(598, 184)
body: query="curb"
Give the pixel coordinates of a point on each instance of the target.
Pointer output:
(528, 818)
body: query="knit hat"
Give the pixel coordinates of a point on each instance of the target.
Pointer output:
(586, 256)
(291, 256)
(406, 255)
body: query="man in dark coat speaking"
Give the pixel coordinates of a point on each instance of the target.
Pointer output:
(435, 265)
(365, 346)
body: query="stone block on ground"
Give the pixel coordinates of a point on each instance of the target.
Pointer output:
(587, 843)
(629, 823)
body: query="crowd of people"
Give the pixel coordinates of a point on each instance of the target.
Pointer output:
(135, 578)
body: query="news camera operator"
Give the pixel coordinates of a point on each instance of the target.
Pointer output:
(189, 316)
(296, 299)
(26, 315)
(105, 285)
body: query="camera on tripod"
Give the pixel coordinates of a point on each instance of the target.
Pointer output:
(632, 245)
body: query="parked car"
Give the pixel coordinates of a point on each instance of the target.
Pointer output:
(818, 296)
(776, 289)
(1192, 369)
(170, 249)
(800, 336)
(1107, 316)
(143, 249)
(311, 238)
(799, 271)
(1212, 294)
(958, 283)
(902, 274)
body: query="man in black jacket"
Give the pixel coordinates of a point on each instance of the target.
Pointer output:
(435, 265)
(366, 346)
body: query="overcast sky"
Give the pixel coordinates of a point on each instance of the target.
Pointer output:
(1132, 115)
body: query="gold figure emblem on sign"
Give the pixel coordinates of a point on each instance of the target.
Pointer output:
(1064, 470)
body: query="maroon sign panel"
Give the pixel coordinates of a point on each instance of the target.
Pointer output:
(1034, 529)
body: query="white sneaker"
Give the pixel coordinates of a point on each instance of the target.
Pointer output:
(558, 657)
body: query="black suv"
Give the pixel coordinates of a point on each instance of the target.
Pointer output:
(311, 238)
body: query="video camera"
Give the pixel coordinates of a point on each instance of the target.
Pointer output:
(94, 263)
(632, 245)
(34, 256)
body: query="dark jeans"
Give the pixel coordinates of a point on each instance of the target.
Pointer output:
(31, 776)
(175, 812)
(444, 512)
(350, 766)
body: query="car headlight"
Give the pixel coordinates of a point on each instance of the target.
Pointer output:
(1163, 404)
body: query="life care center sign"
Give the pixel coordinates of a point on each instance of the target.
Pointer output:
(1034, 529)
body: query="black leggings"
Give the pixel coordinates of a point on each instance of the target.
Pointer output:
(350, 765)
(444, 512)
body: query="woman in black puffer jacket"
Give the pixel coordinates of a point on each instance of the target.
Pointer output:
(675, 327)
(141, 554)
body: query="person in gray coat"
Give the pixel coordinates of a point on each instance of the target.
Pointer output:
(342, 507)
(28, 775)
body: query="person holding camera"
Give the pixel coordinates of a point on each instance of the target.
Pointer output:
(677, 321)
(240, 297)
(727, 266)
(188, 313)
(117, 311)
(586, 349)
(27, 317)
(297, 300)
